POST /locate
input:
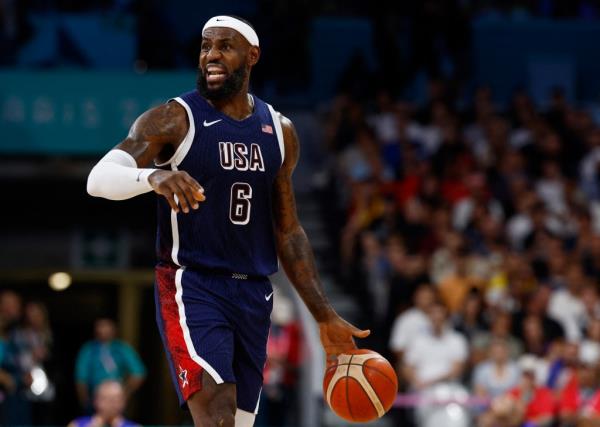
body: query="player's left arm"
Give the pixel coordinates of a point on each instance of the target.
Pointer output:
(296, 255)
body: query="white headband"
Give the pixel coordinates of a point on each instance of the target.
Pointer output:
(235, 24)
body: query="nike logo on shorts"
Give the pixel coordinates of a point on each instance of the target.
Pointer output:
(268, 297)
(207, 124)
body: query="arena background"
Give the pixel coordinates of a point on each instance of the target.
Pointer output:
(404, 110)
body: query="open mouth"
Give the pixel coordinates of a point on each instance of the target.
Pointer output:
(215, 74)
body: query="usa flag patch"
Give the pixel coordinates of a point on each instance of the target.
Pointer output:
(267, 129)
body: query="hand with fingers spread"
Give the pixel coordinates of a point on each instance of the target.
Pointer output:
(337, 336)
(177, 183)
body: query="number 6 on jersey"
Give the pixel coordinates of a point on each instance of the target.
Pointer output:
(239, 205)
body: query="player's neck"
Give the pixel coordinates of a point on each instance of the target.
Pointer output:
(238, 107)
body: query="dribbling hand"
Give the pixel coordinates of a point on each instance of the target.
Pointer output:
(177, 183)
(337, 336)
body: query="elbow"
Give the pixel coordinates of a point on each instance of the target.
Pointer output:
(93, 189)
(94, 185)
(97, 187)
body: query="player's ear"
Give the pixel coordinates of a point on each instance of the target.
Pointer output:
(253, 55)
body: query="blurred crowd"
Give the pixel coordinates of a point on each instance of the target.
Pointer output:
(107, 370)
(26, 388)
(475, 231)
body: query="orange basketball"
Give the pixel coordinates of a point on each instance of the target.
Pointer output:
(360, 386)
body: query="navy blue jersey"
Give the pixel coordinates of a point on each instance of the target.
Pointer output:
(236, 162)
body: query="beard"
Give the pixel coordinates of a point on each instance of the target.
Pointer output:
(231, 86)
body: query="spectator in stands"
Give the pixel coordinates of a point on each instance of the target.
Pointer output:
(10, 310)
(563, 366)
(480, 198)
(374, 269)
(500, 328)
(406, 272)
(588, 168)
(7, 383)
(34, 339)
(590, 415)
(443, 261)
(532, 324)
(16, 361)
(498, 374)
(527, 404)
(566, 305)
(591, 341)
(455, 287)
(470, 320)
(436, 357)
(591, 301)
(580, 389)
(534, 337)
(412, 323)
(281, 373)
(109, 404)
(106, 358)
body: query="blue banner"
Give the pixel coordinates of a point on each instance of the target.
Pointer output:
(77, 113)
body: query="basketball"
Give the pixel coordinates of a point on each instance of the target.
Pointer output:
(360, 386)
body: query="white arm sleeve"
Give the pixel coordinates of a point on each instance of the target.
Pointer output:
(117, 177)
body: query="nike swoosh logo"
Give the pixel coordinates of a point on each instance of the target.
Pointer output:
(268, 297)
(207, 124)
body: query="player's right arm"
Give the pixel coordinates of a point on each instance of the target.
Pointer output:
(123, 174)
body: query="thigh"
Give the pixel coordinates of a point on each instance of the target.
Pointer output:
(197, 336)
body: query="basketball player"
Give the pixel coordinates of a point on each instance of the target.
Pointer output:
(223, 164)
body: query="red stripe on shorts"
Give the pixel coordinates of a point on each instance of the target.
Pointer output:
(189, 373)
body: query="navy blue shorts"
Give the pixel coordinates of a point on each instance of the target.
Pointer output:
(216, 324)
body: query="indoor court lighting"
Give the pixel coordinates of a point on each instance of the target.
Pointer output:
(60, 281)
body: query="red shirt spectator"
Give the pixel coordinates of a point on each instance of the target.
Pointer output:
(580, 396)
(540, 405)
(591, 407)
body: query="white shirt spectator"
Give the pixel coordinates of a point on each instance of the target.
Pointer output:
(407, 326)
(552, 192)
(463, 212)
(385, 127)
(518, 228)
(589, 352)
(569, 311)
(433, 357)
(428, 137)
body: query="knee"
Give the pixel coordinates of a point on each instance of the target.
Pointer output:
(222, 413)
(221, 419)
(213, 408)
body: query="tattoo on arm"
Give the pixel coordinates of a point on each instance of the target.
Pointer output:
(165, 125)
(293, 247)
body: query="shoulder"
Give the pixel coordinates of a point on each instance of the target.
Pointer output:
(169, 111)
(166, 120)
(290, 140)
(87, 347)
(121, 345)
(411, 317)
(288, 129)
